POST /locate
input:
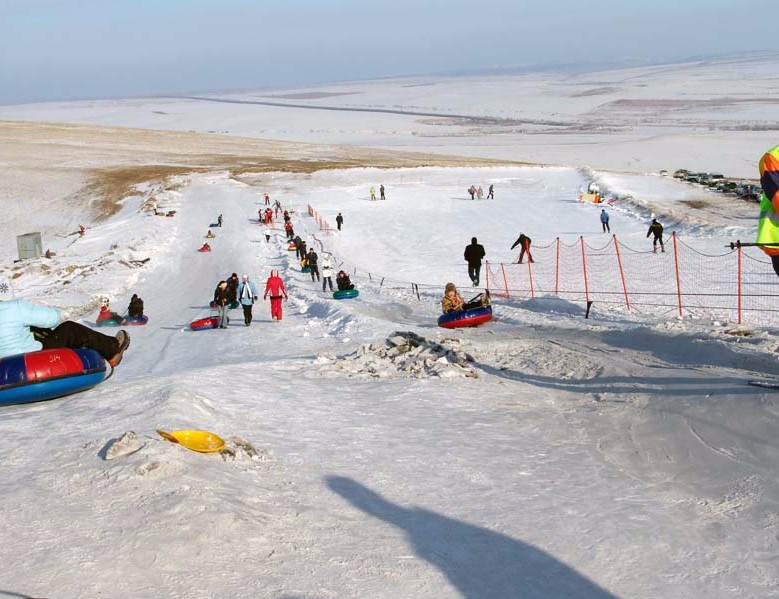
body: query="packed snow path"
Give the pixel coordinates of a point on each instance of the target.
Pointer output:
(588, 460)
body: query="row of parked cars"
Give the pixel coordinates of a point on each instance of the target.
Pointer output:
(717, 181)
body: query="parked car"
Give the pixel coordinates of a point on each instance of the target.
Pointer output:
(664, 173)
(681, 173)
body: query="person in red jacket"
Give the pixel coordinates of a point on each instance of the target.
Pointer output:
(275, 286)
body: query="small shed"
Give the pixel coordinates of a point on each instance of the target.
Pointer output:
(29, 246)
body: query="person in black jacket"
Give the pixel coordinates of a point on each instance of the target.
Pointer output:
(221, 298)
(656, 229)
(135, 309)
(524, 243)
(313, 260)
(232, 288)
(473, 256)
(343, 281)
(339, 220)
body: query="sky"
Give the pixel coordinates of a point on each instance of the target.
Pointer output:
(67, 49)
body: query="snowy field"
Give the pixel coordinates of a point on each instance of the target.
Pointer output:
(540, 455)
(714, 115)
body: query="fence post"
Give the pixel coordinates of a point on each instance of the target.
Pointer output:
(487, 278)
(622, 273)
(557, 268)
(505, 281)
(678, 280)
(739, 284)
(584, 270)
(530, 272)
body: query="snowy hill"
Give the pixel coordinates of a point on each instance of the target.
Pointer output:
(369, 452)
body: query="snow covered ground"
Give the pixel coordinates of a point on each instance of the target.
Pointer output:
(541, 455)
(708, 115)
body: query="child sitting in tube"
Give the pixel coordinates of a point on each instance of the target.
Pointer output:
(453, 301)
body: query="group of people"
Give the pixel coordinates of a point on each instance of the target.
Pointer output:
(382, 196)
(244, 292)
(478, 192)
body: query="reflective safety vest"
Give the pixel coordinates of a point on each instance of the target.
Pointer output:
(768, 225)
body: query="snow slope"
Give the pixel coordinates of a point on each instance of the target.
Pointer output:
(614, 457)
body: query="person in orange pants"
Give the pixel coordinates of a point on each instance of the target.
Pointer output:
(275, 286)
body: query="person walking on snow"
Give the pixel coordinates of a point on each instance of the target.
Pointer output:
(768, 224)
(604, 220)
(491, 192)
(289, 230)
(381, 192)
(656, 229)
(232, 288)
(219, 221)
(327, 272)
(339, 220)
(266, 232)
(313, 259)
(275, 286)
(479, 192)
(247, 295)
(221, 297)
(472, 191)
(373, 194)
(473, 256)
(524, 242)
(267, 200)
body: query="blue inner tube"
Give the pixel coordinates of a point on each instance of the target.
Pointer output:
(464, 318)
(346, 294)
(136, 320)
(48, 374)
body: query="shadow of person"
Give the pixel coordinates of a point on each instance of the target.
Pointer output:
(479, 563)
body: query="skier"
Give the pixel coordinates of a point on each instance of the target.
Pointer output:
(275, 286)
(656, 229)
(327, 272)
(247, 295)
(135, 309)
(381, 192)
(473, 255)
(313, 259)
(373, 194)
(604, 220)
(27, 327)
(221, 297)
(524, 242)
(219, 221)
(479, 192)
(472, 191)
(491, 192)
(343, 281)
(339, 220)
(266, 232)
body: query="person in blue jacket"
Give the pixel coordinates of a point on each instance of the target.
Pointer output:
(26, 327)
(604, 220)
(247, 295)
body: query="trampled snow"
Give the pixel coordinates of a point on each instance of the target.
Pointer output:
(619, 456)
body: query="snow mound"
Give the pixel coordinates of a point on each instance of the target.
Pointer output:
(404, 354)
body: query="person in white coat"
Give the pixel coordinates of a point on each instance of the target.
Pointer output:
(327, 271)
(266, 232)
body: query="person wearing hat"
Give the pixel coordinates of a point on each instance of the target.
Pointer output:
(453, 301)
(135, 309)
(247, 294)
(275, 286)
(232, 288)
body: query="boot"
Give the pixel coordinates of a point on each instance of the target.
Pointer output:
(124, 342)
